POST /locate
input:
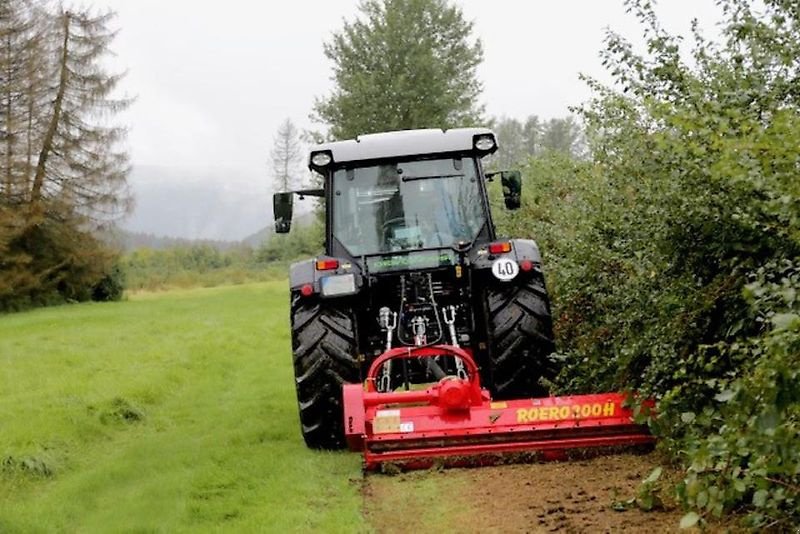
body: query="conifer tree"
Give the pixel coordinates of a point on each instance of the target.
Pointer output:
(79, 167)
(21, 66)
(285, 155)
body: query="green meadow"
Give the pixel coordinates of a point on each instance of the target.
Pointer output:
(167, 412)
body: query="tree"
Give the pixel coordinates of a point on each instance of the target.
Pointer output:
(532, 132)
(402, 64)
(285, 155)
(80, 167)
(520, 140)
(24, 95)
(511, 143)
(561, 135)
(62, 171)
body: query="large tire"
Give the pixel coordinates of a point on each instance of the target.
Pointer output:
(323, 346)
(521, 339)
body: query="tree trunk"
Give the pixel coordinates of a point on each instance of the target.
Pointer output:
(47, 142)
(9, 121)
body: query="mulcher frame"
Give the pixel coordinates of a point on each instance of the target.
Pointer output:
(416, 429)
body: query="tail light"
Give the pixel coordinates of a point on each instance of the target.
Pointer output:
(327, 265)
(307, 290)
(500, 248)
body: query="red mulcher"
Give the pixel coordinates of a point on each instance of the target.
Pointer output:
(455, 422)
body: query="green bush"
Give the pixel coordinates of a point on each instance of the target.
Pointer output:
(53, 262)
(206, 266)
(301, 242)
(672, 253)
(111, 286)
(743, 447)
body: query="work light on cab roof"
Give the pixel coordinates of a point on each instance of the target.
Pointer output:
(320, 159)
(484, 143)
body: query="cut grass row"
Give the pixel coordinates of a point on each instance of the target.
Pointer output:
(165, 413)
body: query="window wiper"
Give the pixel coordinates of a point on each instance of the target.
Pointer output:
(432, 177)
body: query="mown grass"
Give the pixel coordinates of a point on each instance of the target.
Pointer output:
(168, 412)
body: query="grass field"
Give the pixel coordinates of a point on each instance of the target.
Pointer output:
(175, 412)
(165, 413)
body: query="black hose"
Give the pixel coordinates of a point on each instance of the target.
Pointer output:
(434, 368)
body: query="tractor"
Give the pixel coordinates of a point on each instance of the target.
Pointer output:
(412, 260)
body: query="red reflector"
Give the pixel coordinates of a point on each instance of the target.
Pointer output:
(500, 248)
(307, 290)
(526, 265)
(327, 265)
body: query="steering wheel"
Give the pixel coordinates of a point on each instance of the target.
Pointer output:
(389, 239)
(397, 221)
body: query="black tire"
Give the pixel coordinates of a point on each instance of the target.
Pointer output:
(324, 353)
(521, 339)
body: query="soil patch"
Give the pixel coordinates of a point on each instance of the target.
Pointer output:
(576, 496)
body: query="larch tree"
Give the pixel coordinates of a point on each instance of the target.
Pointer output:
(23, 68)
(22, 62)
(402, 64)
(285, 155)
(80, 165)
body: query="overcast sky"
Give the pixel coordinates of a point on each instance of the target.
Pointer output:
(213, 80)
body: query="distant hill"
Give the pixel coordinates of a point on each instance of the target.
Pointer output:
(129, 241)
(211, 204)
(256, 239)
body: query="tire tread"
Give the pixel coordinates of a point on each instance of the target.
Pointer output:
(324, 356)
(521, 339)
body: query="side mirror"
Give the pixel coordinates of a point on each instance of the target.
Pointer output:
(282, 209)
(512, 188)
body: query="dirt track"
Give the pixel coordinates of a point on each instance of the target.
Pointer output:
(554, 497)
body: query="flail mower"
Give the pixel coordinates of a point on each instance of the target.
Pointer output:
(456, 422)
(420, 337)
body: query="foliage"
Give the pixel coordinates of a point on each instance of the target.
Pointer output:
(188, 266)
(110, 286)
(62, 174)
(204, 265)
(285, 155)
(52, 263)
(672, 253)
(302, 242)
(129, 241)
(519, 140)
(403, 64)
(741, 449)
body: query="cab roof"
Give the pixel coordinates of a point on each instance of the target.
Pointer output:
(402, 143)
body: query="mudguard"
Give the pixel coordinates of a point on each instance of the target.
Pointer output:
(521, 249)
(302, 273)
(526, 249)
(305, 272)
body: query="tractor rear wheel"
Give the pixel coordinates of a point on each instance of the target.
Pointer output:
(521, 339)
(324, 353)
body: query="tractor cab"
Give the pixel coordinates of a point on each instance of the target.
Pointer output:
(402, 191)
(407, 205)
